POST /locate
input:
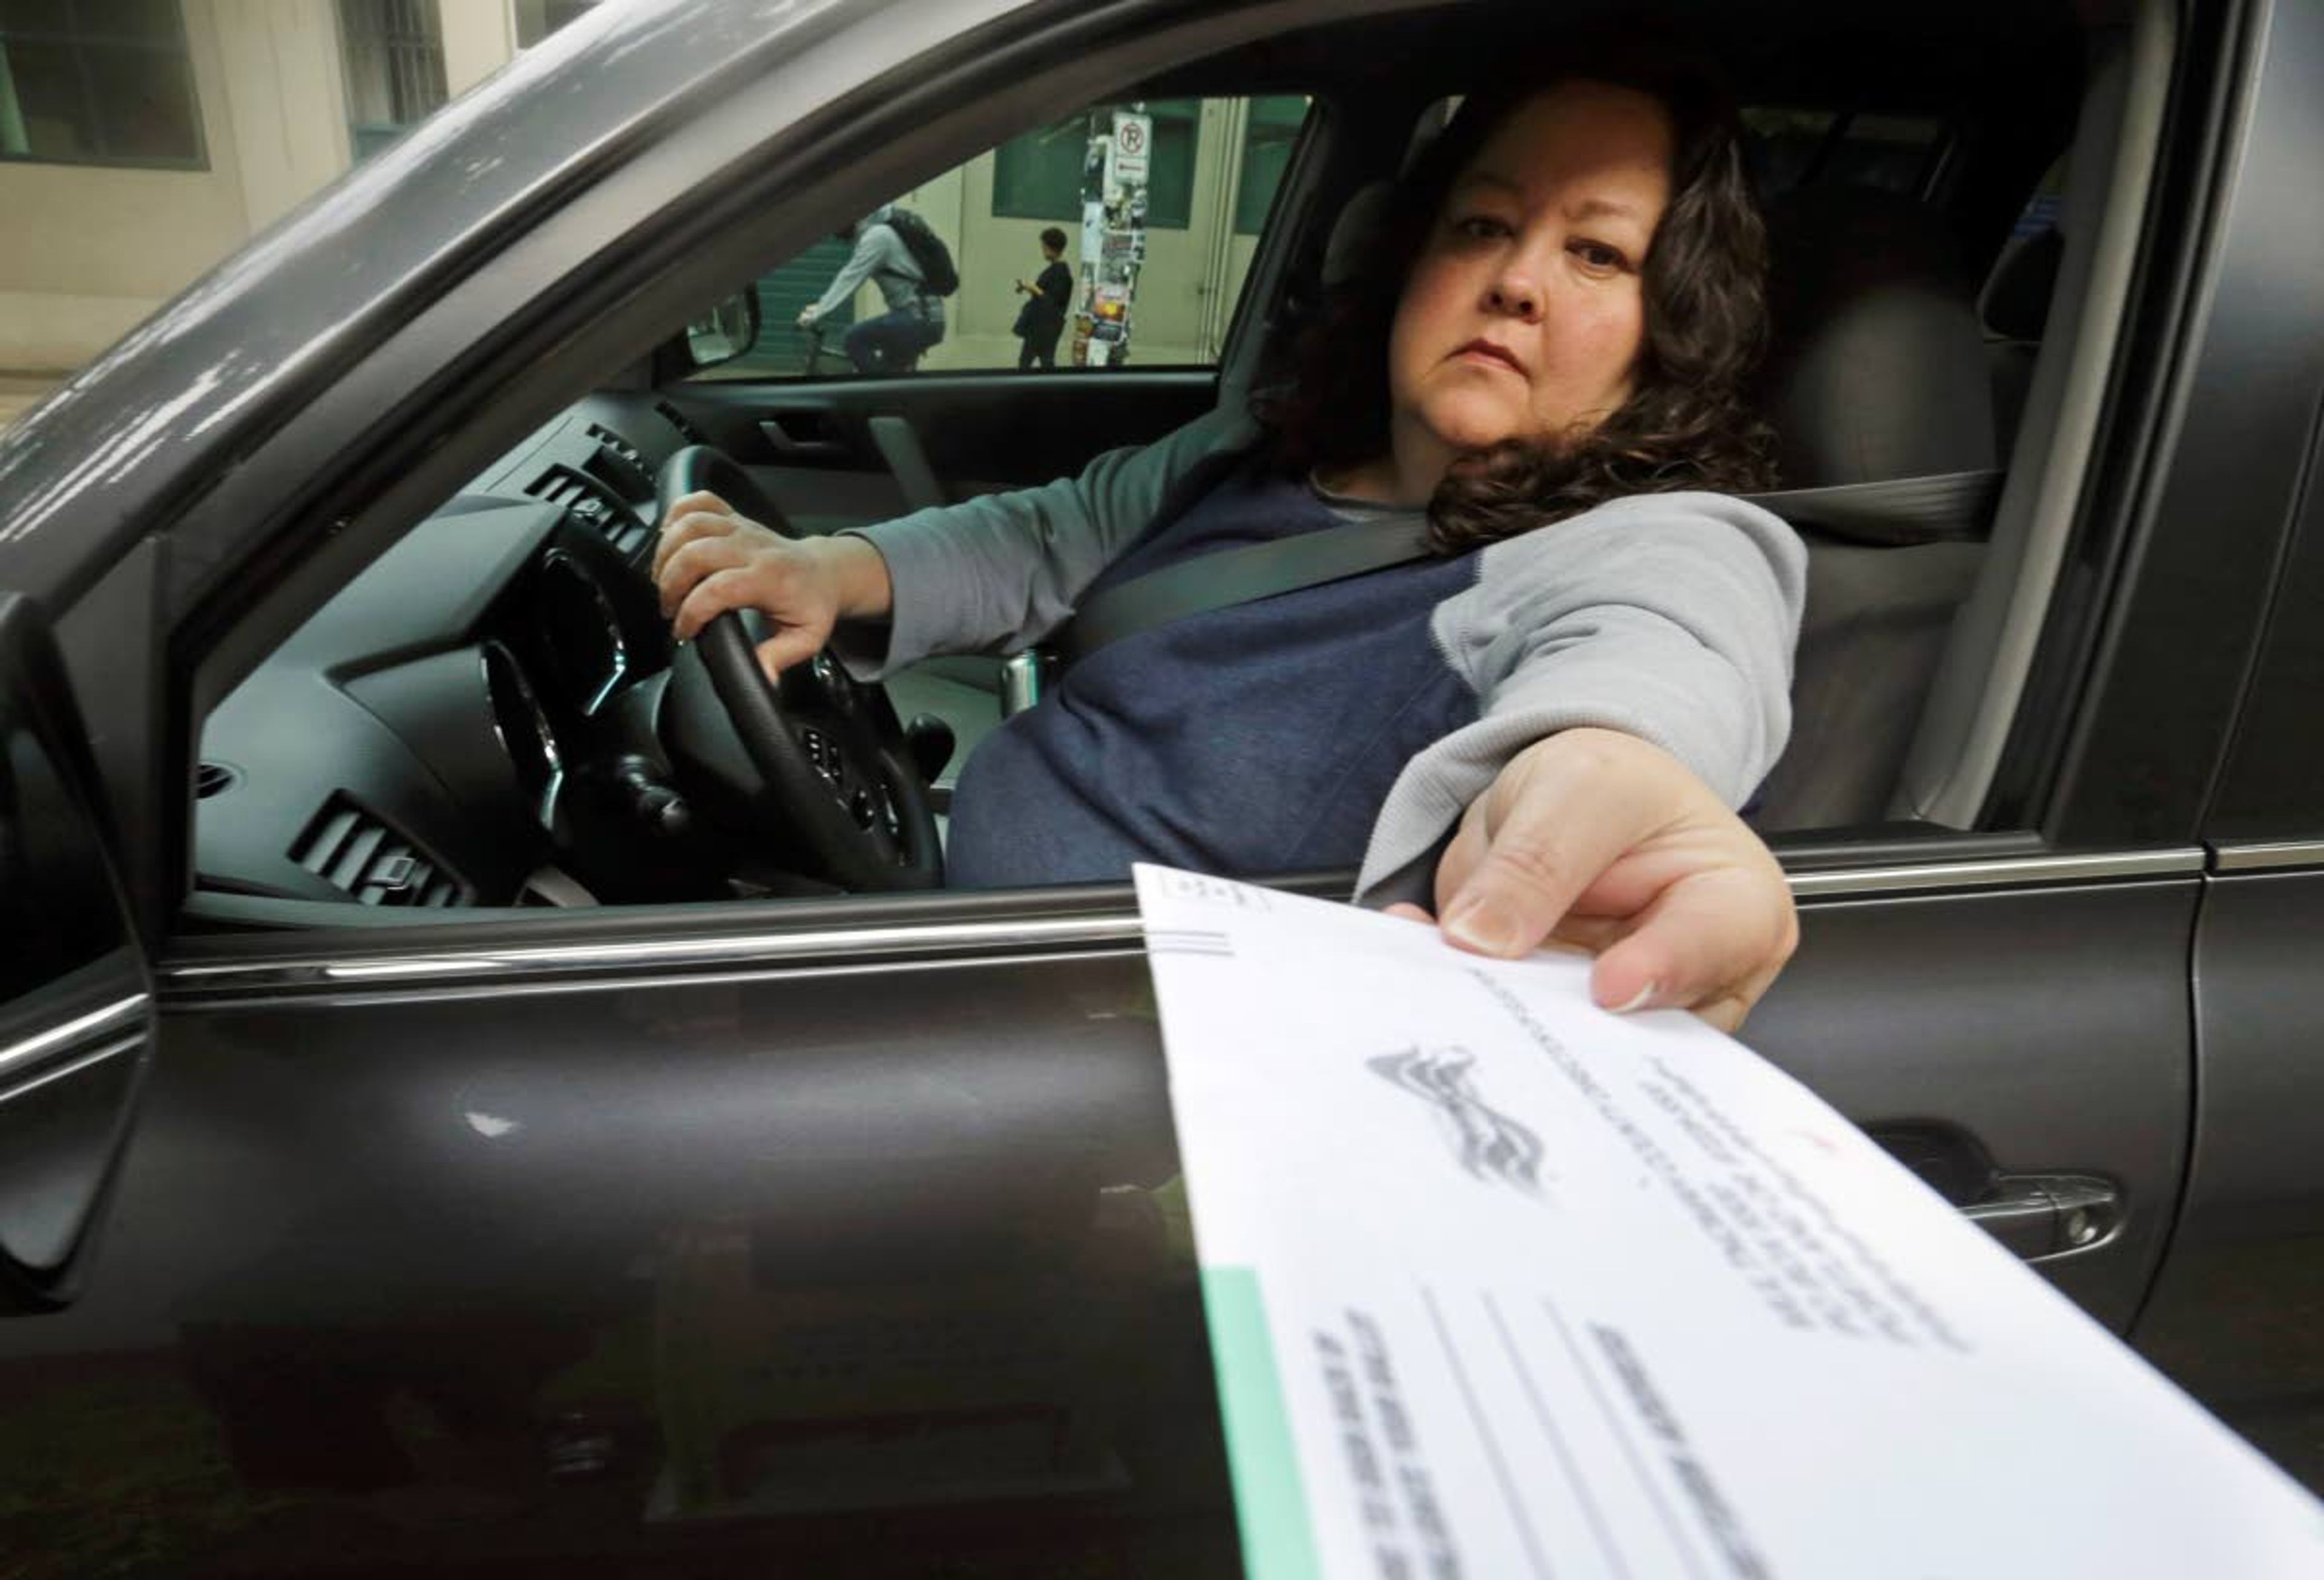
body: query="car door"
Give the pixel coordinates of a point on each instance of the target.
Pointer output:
(844, 1231)
(2235, 1316)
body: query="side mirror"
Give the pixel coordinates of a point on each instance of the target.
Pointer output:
(728, 330)
(76, 1005)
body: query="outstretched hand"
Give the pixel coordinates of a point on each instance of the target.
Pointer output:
(1598, 839)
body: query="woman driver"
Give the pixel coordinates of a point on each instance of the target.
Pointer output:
(1591, 668)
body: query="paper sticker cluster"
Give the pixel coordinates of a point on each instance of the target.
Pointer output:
(1113, 234)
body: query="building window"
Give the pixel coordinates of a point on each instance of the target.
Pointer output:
(392, 54)
(1038, 176)
(1269, 137)
(100, 82)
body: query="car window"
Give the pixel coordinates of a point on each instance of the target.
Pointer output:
(550, 738)
(1157, 204)
(1793, 147)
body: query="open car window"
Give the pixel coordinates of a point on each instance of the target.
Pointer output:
(1158, 203)
(481, 718)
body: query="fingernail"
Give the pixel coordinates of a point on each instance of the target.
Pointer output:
(1638, 1000)
(1481, 925)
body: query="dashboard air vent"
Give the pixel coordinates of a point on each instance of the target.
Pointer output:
(368, 861)
(682, 423)
(212, 779)
(589, 502)
(618, 465)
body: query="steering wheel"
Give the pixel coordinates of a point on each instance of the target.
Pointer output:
(826, 763)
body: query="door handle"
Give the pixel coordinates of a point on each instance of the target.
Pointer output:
(2041, 1216)
(776, 429)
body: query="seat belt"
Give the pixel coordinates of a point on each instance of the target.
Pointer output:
(1237, 575)
(1893, 512)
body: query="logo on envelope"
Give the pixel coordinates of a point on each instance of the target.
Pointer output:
(1486, 1142)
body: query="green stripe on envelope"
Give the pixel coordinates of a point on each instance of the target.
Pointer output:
(1270, 1508)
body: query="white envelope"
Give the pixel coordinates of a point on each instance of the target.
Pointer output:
(1499, 1284)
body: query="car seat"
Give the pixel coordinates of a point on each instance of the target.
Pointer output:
(1877, 385)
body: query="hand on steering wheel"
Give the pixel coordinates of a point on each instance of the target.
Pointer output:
(825, 767)
(711, 559)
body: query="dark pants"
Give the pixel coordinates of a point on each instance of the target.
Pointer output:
(1039, 348)
(890, 343)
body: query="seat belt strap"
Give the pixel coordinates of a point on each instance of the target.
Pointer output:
(1237, 575)
(1952, 506)
(1895, 512)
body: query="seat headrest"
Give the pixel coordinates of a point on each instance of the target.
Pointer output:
(2015, 302)
(1354, 233)
(1877, 369)
(1357, 230)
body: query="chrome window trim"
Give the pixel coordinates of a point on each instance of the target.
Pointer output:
(2010, 872)
(88, 1028)
(946, 942)
(2267, 856)
(131, 1043)
(816, 946)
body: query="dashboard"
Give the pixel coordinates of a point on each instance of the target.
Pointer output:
(420, 741)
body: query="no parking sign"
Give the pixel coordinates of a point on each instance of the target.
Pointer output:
(1133, 141)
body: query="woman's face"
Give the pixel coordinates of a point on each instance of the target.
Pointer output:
(1525, 313)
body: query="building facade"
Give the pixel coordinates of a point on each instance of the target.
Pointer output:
(140, 144)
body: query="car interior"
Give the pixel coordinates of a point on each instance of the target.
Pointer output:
(493, 714)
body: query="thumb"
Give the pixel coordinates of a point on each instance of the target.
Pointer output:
(1528, 848)
(1713, 942)
(789, 646)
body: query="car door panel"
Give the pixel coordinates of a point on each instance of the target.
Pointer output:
(735, 1263)
(413, 1227)
(2042, 1028)
(2238, 1316)
(812, 445)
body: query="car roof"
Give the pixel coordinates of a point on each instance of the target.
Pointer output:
(1837, 54)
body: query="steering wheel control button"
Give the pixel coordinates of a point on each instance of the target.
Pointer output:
(822, 751)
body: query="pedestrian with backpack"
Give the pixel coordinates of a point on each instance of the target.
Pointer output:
(895, 250)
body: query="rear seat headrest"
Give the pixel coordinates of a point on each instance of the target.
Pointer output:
(1355, 234)
(2015, 302)
(1877, 369)
(1358, 229)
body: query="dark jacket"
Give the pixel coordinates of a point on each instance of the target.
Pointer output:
(1042, 317)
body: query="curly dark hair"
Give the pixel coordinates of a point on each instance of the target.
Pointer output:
(1688, 423)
